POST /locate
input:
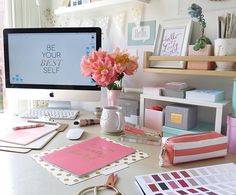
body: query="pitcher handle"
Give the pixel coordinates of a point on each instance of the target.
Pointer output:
(120, 119)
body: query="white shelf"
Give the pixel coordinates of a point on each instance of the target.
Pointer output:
(97, 6)
(186, 101)
(217, 105)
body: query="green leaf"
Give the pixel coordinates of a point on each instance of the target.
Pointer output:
(196, 47)
(113, 86)
(120, 76)
(201, 43)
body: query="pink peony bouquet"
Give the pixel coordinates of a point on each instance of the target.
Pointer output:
(106, 69)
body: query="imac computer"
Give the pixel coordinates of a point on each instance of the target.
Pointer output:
(44, 63)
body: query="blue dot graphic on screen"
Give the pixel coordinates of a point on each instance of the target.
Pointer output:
(17, 78)
(87, 50)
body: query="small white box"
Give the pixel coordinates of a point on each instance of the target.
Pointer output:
(154, 119)
(152, 90)
(205, 95)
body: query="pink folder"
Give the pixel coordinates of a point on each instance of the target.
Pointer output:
(88, 156)
(26, 136)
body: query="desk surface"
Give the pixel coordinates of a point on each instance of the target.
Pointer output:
(21, 175)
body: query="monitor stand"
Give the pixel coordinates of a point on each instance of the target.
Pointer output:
(59, 104)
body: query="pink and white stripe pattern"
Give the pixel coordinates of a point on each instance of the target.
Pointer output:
(193, 147)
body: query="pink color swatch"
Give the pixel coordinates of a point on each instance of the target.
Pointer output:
(201, 180)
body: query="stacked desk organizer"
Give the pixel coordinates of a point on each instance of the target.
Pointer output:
(217, 105)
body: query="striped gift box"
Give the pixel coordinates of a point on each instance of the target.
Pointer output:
(192, 147)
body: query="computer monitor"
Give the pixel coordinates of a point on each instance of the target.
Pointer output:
(44, 63)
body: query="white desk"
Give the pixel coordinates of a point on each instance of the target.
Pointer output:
(21, 175)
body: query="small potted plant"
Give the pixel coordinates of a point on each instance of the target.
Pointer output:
(202, 45)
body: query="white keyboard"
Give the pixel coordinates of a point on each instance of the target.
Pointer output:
(52, 113)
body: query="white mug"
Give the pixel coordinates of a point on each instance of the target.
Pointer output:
(112, 119)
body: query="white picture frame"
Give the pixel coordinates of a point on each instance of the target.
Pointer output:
(173, 40)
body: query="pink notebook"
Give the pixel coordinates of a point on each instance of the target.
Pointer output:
(88, 156)
(26, 136)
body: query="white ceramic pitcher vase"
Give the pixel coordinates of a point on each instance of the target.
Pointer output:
(112, 119)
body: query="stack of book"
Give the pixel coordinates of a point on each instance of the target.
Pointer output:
(206, 95)
(175, 89)
(27, 136)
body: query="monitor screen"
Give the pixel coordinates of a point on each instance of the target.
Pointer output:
(48, 59)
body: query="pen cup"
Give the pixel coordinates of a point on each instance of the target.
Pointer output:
(225, 47)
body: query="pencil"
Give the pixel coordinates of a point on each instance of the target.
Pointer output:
(27, 126)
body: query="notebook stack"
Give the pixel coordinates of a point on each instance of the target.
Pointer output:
(206, 95)
(175, 89)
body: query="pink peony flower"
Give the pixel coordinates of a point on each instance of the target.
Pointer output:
(85, 66)
(131, 67)
(124, 63)
(103, 72)
(107, 68)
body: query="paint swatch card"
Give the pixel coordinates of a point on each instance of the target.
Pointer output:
(88, 156)
(209, 180)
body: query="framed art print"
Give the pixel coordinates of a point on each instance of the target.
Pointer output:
(173, 40)
(145, 34)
